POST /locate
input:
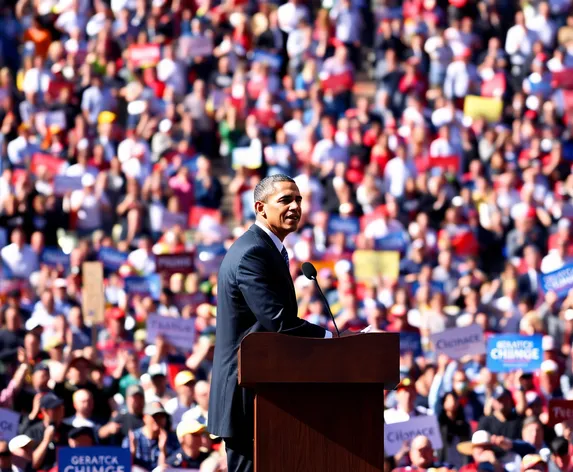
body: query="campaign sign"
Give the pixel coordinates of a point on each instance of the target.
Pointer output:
(560, 410)
(53, 165)
(171, 219)
(9, 421)
(111, 258)
(194, 46)
(460, 342)
(349, 225)
(150, 285)
(144, 55)
(395, 434)
(54, 257)
(208, 258)
(174, 263)
(507, 352)
(181, 300)
(67, 183)
(274, 61)
(179, 332)
(559, 281)
(391, 242)
(94, 459)
(411, 342)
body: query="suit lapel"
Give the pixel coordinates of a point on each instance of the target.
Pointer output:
(280, 262)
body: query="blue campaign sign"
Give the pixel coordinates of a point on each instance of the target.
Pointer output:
(111, 258)
(274, 61)
(411, 342)
(349, 225)
(94, 459)
(54, 256)
(507, 352)
(559, 281)
(150, 285)
(392, 242)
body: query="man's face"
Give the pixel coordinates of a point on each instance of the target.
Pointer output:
(282, 210)
(422, 454)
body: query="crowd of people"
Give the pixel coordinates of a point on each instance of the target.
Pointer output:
(132, 129)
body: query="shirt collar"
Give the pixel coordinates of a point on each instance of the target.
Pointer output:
(275, 239)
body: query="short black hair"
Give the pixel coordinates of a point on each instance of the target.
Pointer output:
(266, 187)
(559, 447)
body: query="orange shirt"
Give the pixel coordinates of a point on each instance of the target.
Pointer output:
(41, 39)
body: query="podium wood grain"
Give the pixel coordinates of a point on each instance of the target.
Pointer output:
(319, 402)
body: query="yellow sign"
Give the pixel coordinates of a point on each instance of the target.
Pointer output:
(488, 108)
(369, 265)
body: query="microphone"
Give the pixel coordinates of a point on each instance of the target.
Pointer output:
(309, 272)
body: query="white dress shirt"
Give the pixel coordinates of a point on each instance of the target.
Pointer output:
(279, 245)
(20, 262)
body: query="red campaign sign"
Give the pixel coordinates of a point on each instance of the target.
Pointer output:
(337, 83)
(568, 99)
(465, 244)
(174, 263)
(495, 87)
(445, 162)
(52, 164)
(563, 79)
(559, 411)
(197, 213)
(144, 55)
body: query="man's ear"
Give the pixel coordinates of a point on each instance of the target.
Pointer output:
(260, 209)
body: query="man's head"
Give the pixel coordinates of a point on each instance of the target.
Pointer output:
(533, 462)
(406, 395)
(81, 437)
(154, 419)
(83, 403)
(135, 400)
(52, 408)
(532, 431)
(278, 204)
(184, 384)
(190, 434)
(560, 453)
(503, 401)
(421, 452)
(202, 394)
(22, 447)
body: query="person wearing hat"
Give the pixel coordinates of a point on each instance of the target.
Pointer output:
(184, 387)
(152, 443)
(160, 390)
(200, 412)
(81, 436)
(533, 462)
(120, 426)
(88, 204)
(503, 421)
(550, 380)
(190, 455)
(49, 433)
(21, 447)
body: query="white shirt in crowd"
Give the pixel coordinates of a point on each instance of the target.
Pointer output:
(89, 209)
(20, 150)
(326, 150)
(36, 80)
(396, 173)
(20, 262)
(545, 29)
(459, 79)
(552, 261)
(289, 16)
(142, 261)
(519, 40)
(441, 147)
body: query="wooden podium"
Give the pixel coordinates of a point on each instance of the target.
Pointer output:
(319, 403)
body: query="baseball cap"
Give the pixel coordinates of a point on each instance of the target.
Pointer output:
(81, 431)
(479, 438)
(155, 370)
(501, 392)
(153, 409)
(134, 390)
(530, 461)
(18, 442)
(189, 427)
(50, 400)
(549, 366)
(184, 377)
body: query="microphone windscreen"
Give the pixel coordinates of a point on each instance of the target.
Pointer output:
(309, 270)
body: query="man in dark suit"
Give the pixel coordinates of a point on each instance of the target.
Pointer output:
(255, 293)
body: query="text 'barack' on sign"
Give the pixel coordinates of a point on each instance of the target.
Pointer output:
(460, 342)
(507, 352)
(179, 332)
(395, 434)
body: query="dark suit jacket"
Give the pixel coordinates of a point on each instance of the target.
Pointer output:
(524, 287)
(255, 293)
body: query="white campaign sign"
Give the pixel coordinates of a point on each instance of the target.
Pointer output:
(395, 434)
(179, 332)
(460, 342)
(9, 421)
